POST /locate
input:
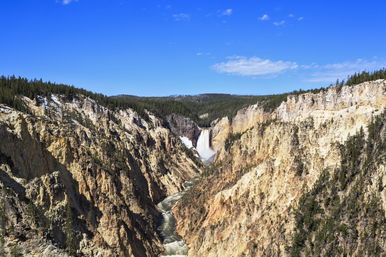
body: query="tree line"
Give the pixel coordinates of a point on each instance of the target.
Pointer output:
(214, 105)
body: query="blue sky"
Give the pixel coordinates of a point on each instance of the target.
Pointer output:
(149, 48)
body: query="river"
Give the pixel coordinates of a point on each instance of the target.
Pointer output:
(173, 243)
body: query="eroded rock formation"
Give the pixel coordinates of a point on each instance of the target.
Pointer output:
(182, 126)
(248, 204)
(80, 178)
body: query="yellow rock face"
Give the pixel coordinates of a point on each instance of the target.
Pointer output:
(245, 207)
(109, 168)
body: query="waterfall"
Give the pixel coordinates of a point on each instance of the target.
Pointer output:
(203, 146)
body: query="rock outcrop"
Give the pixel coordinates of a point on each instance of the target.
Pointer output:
(252, 200)
(184, 127)
(77, 177)
(243, 120)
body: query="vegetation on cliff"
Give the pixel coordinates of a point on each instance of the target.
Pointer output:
(340, 216)
(84, 180)
(364, 76)
(11, 87)
(202, 109)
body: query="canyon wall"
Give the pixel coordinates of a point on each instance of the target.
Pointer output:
(184, 127)
(78, 178)
(281, 179)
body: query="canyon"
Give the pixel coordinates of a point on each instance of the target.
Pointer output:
(82, 179)
(247, 204)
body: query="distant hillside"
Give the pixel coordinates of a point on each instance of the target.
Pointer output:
(220, 105)
(208, 106)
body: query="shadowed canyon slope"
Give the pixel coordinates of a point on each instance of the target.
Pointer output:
(74, 171)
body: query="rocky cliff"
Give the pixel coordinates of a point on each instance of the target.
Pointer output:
(184, 127)
(78, 178)
(306, 179)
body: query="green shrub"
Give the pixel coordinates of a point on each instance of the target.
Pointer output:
(231, 139)
(15, 252)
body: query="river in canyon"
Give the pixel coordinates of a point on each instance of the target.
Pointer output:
(173, 243)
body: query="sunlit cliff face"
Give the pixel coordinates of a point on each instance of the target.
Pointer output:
(86, 177)
(247, 206)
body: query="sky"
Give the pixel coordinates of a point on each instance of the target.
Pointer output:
(181, 47)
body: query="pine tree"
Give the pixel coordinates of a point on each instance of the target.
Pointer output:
(71, 240)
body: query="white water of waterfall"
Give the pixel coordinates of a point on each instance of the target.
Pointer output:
(203, 146)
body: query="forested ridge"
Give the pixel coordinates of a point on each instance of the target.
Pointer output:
(208, 106)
